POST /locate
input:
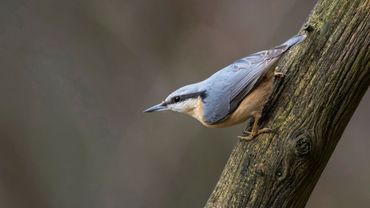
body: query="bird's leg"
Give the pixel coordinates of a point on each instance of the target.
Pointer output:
(249, 135)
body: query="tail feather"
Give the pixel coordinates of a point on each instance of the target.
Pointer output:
(294, 40)
(272, 53)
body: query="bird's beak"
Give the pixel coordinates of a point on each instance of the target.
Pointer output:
(156, 108)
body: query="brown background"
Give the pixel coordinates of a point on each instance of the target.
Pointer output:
(75, 76)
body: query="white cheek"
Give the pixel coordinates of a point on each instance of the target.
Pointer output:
(184, 106)
(178, 107)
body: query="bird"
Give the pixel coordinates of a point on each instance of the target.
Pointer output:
(233, 94)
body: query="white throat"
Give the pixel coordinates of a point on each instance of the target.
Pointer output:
(185, 106)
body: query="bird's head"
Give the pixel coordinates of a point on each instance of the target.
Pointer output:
(183, 100)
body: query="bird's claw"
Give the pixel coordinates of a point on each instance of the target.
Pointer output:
(246, 138)
(279, 74)
(250, 135)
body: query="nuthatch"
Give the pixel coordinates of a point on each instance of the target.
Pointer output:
(233, 94)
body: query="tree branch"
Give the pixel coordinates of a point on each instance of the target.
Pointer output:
(326, 77)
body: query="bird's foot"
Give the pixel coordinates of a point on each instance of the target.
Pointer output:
(250, 135)
(279, 74)
(246, 138)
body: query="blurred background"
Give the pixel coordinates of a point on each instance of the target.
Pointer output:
(75, 76)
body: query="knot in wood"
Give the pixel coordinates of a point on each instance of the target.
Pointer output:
(303, 144)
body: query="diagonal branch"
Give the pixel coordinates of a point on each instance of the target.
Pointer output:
(326, 77)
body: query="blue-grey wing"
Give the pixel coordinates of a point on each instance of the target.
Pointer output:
(229, 86)
(256, 66)
(225, 94)
(251, 77)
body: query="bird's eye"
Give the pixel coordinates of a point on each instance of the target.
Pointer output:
(176, 99)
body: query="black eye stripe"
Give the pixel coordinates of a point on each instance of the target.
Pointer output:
(180, 98)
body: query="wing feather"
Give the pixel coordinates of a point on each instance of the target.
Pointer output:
(232, 84)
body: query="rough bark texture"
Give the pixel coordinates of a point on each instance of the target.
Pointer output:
(326, 77)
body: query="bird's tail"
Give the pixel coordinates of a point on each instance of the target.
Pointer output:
(293, 41)
(280, 49)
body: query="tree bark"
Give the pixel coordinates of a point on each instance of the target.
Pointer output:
(325, 78)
